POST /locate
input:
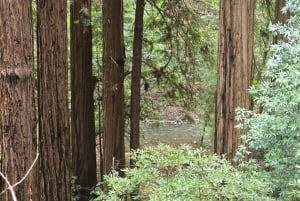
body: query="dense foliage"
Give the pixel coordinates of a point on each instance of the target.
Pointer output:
(179, 62)
(167, 173)
(179, 54)
(275, 132)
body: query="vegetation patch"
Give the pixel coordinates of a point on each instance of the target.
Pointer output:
(167, 173)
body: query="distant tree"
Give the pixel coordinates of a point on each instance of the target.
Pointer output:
(54, 137)
(280, 17)
(82, 84)
(136, 76)
(234, 71)
(113, 86)
(17, 124)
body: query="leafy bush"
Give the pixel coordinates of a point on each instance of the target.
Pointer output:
(167, 173)
(275, 131)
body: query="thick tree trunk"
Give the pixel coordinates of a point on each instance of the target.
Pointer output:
(136, 76)
(234, 71)
(17, 122)
(82, 84)
(54, 136)
(113, 86)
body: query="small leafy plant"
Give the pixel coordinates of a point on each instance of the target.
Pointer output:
(74, 188)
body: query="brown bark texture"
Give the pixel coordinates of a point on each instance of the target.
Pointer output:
(82, 84)
(54, 137)
(234, 71)
(280, 17)
(113, 86)
(136, 76)
(17, 122)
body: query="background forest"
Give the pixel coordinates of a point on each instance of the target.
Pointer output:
(149, 100)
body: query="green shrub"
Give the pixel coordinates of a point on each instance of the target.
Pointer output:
(165, 173)
(275, 131)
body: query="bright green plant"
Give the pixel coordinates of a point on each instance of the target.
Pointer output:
(275, 131)
(169, 174)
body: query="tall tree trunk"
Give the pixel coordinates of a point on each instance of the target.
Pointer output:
(136, 76)
(54, 136)
(17, 122)
(82, 84)
(113, 86)
(234, 71)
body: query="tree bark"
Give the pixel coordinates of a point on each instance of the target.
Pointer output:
(17, 122)
(136, 76)
(280, 17)
(234, 71)
(82, 84)
(113, 86)
(54, 136)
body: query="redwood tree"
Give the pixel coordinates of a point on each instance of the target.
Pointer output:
(17, 122)
(234, 71)
(136, 76)
(54, 136)
(113, 86)
(82, 84)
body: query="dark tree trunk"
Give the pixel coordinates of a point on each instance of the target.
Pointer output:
(82, 84)
(54, 136)
(17, 122)
(234, 71)
(280, 17)
(113, 86)
(136, 76)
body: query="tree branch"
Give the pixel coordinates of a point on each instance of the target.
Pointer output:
(10, 187)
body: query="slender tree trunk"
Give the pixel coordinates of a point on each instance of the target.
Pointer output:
(136, 76)
(113, 86)
(17, 122)
(280, 17)
(54, 136)
(83, 122)
(234, 71)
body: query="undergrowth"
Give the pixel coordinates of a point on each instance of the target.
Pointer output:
(167, 173)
